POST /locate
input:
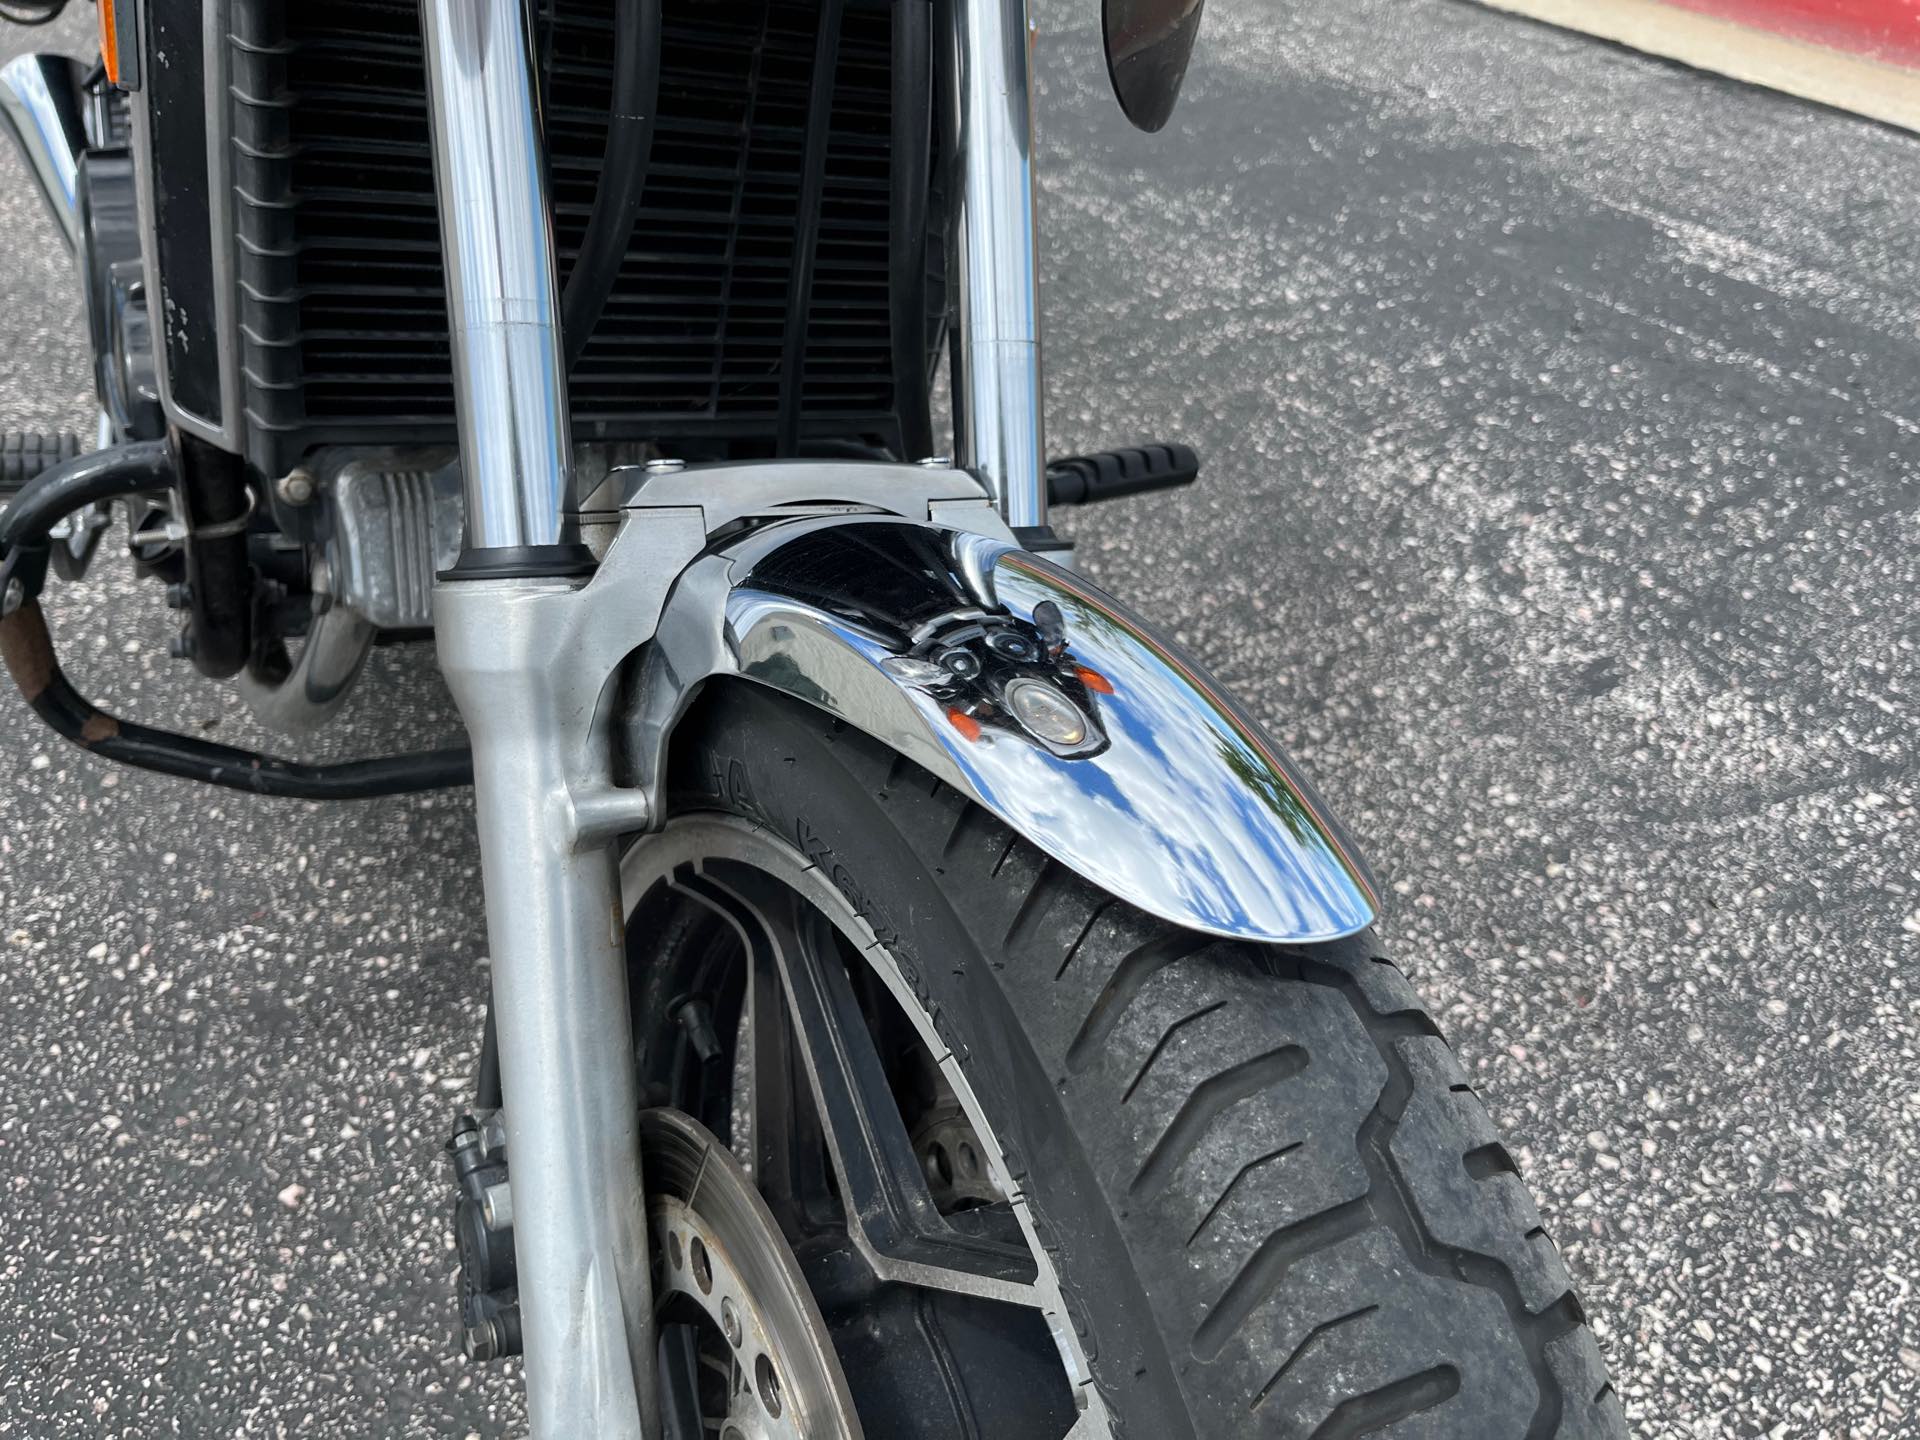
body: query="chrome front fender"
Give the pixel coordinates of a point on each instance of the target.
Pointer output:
(1167, 795)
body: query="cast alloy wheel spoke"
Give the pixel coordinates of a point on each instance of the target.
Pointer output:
(680, 1417)
(890, 1215)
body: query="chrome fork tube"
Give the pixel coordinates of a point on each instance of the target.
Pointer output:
(997, 399)
(503, 301)
(553, 918)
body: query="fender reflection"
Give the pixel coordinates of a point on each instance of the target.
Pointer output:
(1171, 799)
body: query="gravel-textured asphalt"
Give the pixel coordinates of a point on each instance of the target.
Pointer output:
(1560, 410)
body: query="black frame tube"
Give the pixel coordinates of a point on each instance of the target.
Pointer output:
(806, 224)
(26, 647)
(912, 166)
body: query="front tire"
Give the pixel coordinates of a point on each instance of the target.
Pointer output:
(1272, 1201)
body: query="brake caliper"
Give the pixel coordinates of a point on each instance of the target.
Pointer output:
(483, 1231)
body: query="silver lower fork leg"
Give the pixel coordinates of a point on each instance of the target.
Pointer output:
(553, 917)
(560, 1011)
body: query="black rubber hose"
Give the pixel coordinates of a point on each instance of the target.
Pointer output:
(26, 647)
(623, 176)
(214, 505)
(911, 165)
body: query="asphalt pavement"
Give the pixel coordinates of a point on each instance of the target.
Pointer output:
(1559, 410)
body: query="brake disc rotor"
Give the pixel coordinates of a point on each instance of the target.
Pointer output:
(719, 1251)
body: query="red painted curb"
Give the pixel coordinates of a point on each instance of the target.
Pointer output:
(1885, 30)
(1858, 55)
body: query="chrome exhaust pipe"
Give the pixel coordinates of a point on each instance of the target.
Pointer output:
(40, 105)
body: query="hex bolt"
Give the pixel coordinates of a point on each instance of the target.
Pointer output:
(481, 1342)
(295, 487)
(496, 1206)
(180, 645)
(665, 465)
(179, 595)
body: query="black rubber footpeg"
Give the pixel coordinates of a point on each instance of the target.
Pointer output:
(1110, 474)
(25, 453)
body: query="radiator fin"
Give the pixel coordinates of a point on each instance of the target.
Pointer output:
(690, 342)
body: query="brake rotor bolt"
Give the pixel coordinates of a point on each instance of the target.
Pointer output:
(480, 1342)
(496, 1206)
(730, 1322)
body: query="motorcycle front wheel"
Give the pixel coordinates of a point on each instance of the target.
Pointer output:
(1052, 1167)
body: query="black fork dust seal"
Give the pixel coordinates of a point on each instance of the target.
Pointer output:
(27, 649)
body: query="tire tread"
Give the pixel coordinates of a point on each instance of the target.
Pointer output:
(1331, 1239)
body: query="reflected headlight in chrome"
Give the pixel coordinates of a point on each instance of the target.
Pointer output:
(1045, 713)
(916, 672)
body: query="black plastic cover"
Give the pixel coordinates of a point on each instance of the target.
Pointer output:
(182, 214)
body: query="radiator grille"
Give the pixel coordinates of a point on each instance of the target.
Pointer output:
(690, 344)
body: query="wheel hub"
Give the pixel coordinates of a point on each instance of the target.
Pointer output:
(766, 1365)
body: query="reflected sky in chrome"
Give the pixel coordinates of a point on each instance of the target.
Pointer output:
(1189, 813)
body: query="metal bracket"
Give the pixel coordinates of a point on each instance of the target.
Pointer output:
(648, 527)
(731, 495)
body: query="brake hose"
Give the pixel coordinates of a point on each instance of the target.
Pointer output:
(623, 175)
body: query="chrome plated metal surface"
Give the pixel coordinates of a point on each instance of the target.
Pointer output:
(40, 107)
(997, 404)
(1166, 795)
(503, 301)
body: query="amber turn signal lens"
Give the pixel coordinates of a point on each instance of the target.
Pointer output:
(1094, 680)
(964, 723)
(109, 41)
